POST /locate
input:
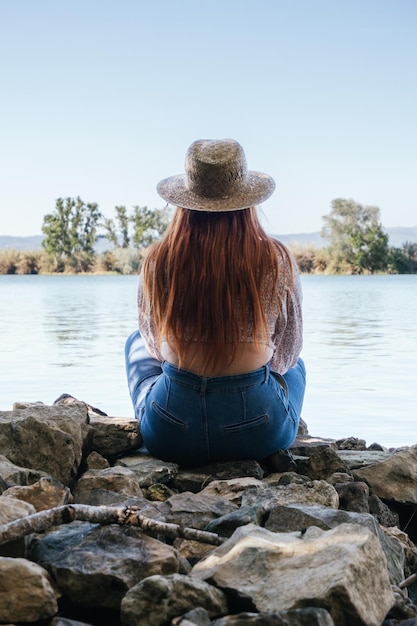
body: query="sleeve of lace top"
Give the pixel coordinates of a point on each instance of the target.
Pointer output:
(147, 327)
(288, 336)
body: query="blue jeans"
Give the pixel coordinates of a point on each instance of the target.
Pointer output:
(195, 420)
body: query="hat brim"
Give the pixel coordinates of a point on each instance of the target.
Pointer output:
(255, 189)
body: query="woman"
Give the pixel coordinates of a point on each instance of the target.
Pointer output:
(214, 371)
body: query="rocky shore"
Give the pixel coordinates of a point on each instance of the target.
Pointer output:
(96, 532)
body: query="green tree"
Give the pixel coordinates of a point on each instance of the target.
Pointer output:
(71, 232)
(117, 231)
(138, 230)
(403, 260)
(148, 225)
(357, 242)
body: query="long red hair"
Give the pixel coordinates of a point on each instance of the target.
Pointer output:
(212, 279)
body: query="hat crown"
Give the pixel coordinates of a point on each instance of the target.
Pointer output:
(215, 168)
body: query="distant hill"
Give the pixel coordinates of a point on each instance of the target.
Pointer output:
(21, 243)
(397, 236)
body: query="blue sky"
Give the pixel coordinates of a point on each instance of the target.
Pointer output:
(102, 98)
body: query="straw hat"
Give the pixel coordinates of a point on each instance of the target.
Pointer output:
(216, 179)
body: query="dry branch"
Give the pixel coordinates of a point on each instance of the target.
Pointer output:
(38, 522)
(408, 581)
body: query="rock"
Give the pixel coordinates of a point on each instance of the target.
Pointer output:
(297, 533)
(351, 443)
(296, 617)
(195, 617)
(158, 492)
(324, 462)
(149, 470)
(342, 570)
(48, 439)
(95, 566)
(394, 478)
(195, 479)
(158, 599)
(315, 492)
(305, 445)
(114, 479)
(403, 608)
(298, 517)
(26, 593)
(227, 524)
(193, 551)
(46, 493)
(66, 399)
(279, 461)
(10, 510)
(195, 509)
(96, 461)
(382, 512)
(12, 474)
(355, 459)
(353, 496)
(113, 436)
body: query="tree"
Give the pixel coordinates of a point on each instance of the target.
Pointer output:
(71, 232)
(117, 232)
(148, 225)
(140, 229)
(403, 260)
(356, 237)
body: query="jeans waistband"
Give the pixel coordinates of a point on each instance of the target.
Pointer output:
(215, 382)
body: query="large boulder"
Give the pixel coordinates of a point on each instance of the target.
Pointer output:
(45, 438)
(95, 566)
(394, 478)
(342, 570)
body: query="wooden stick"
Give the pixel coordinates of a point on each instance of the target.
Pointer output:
(408, 581)
(43, 520)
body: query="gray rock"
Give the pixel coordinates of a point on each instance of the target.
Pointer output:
(114, 479)
(95, 566)
(342, 570)
(46, 493)
(113, 436)
(26, 592)
(12, 474)
(96, 461)
(149, 470)
(324, 462)
(315, 492)
(394, 478)
(305, 445)
(227, 524)
(195, 479)
(195, 509)
(232, 489)
(298, 517)
(48, 439)
(356, 459)
(353, 496)
(158, 599)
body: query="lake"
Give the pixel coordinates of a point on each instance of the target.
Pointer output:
(65, 334)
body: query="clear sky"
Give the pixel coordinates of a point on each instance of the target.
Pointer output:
(101, 99)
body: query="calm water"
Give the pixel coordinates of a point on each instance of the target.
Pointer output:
(66, 335)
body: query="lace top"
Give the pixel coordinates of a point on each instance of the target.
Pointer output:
(286, 328)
